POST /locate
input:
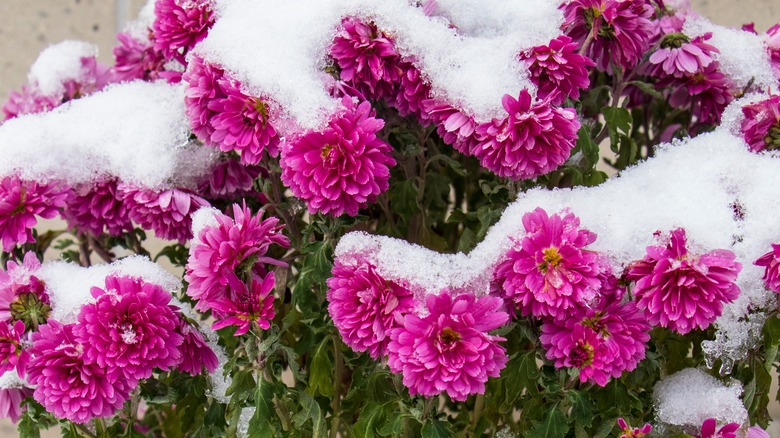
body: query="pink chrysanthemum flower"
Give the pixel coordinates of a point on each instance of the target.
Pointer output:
(20, 202)
(167, 212)
(619, 30)
(235, 245)
(179, 25)
(241, 123)
(247, 305)
(28, 101)
(22, 295)
(229, 179)
(11, 402)
(12, 352)
(196, 355)
(771, 262)
(130, 329)
(557, 69)
(761, 125)
(547, 271)
(203, 87)
(621, 334)
(96, 208)
(535, 138)
(68, 385)
(453, 126)
(756, 432)
(449, 350)
(626, 431)
(341, 168)
(706, 93)
(364, 306)
(679, 56)
(772, 42)
(708, 430)
(367, 58)
(136, 59)
(413, 90)
(684, 291)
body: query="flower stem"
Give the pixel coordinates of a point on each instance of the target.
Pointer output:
(479, 405)
(339, 371)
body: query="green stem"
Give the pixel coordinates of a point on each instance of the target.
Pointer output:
(339, 373)
(83, 430)
(428, 406)
(479, 405)
(100, 428)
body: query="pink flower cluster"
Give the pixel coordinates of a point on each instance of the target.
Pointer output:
(761, 125)
(21, 202)
(167, 212)
(227, 271)
(441, 345)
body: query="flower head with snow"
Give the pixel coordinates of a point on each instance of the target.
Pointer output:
(180, 24)
(67, 384)
(136, 59)
(341, 168)
(247, 305)
(365, 306)
(771, 263)
(682, 290)
(166, 211)
(449, 350)
(548, 271)
(557, 69)
(761, 125)
(21, 202)
(533, 139)
(130, 329)
(12, 353)
(236, 245)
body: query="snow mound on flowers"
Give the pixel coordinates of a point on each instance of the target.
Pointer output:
(59, 63)
(467, 48)
(135, 131)
(722, 194)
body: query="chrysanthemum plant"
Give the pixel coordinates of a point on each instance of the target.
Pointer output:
(392, 218)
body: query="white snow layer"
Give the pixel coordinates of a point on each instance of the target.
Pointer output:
(690, 396)
(696, 184)
(136, 131)
(60, 63)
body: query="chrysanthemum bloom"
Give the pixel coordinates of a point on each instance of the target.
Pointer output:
(772, 42)
(616, 31)
(756, 432)
(367, 58)
(130, 329)
(708, 430)
(557, 69)
(245, 306)
(578, 348)
(229, 179)
(680, 56)
(684, 291)
(535, 138)
(455, 127)
(449, 350)
(235, 245)
(626, 431)
(11, 402)
(22, 295)
(706, 93)
(68, 385)
(364, 306)
(96, 208)
(136, 59)
(412, 91)
(28, 101)
(12, 353)
(621, 334)
(241, 123)
(202, 80)
(341, 168)
(167, 212)
(180, 24)
(761, 125)
(547, 271)
(771, 262)
(20, 202)
(196, 355)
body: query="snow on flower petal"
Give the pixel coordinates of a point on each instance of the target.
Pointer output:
(771, 262)
(557, 69)
(761, 125)
(180, 24)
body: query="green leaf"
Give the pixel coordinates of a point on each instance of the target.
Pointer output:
(618, 120)
(648, 89)
(371, 417)
(260, 425)
(772, 330)
(581, 408)
(310, 410)
(468, 240)
(403, 197)
(321, 371)
(450, 162)
(553, 426)
(436, 429)
(521, 374)
(585, 144)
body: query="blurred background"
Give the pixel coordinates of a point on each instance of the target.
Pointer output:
(29, 26)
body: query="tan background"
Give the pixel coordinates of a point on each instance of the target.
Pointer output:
(29, 26)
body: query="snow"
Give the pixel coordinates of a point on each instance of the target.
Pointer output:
(136, 131)
(694, 184)
(690, 396)
(59, 63)
(470, 67)
(202, 218)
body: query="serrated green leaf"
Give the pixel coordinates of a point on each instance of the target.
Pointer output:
(261, 425)
(581, 408)
(586, 145)
(403, 197)
(370, 418)
(553, 426)
(310, 410)
(436, 429)
(321, 370)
